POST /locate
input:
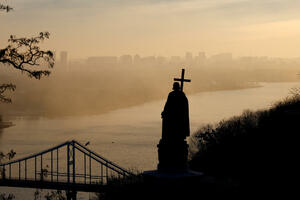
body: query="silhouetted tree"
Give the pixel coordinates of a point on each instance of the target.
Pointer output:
(55, 195)
(4, 157)
(3, 88)
(7, 197)
(24, 54)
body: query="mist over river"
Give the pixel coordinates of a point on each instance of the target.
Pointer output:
(129, 136)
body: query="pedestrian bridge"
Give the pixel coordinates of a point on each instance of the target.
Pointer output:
(70, 166)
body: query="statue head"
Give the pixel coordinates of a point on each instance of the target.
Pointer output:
(176, 86)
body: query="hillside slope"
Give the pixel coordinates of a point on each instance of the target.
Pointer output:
(257, 151)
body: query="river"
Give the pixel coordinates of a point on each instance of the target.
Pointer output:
(129, 136)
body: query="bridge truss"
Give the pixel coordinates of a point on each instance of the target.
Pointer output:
(69, 166)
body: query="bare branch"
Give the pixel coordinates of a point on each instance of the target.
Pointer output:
(5, 8)
(23, 53)
(10, 155)
(3, 88)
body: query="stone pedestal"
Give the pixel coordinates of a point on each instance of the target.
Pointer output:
(173, 185)
(172, 155)
(172, 179)
(156, 176)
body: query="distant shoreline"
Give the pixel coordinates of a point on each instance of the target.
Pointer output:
(106, 110)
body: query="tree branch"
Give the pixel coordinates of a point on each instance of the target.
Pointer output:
(5, 8)
(24, 54)
(3, 88)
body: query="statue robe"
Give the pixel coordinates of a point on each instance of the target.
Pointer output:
(175, 116)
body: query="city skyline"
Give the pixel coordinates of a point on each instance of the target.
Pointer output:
(187, 56)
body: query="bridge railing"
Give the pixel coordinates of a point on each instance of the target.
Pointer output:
(69, 162)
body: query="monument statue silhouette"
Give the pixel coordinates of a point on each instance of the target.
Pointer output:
(176, 116)
(173, 148)
(173, 179)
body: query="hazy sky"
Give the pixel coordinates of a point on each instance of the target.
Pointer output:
(158, 27)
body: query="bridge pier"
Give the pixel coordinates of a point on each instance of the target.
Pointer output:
(71, 194)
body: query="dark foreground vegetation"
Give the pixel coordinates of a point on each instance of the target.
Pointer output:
(256, 153)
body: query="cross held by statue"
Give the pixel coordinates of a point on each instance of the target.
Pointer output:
(182, 80)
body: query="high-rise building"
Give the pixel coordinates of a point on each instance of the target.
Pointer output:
(137, 59)
(64, 58)
(126, 60)
(148, 60)
(222, 57)
(201, 58)
(175, 59)
(201, 55)
(161, 60)
(188, 57)
(102, 60)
